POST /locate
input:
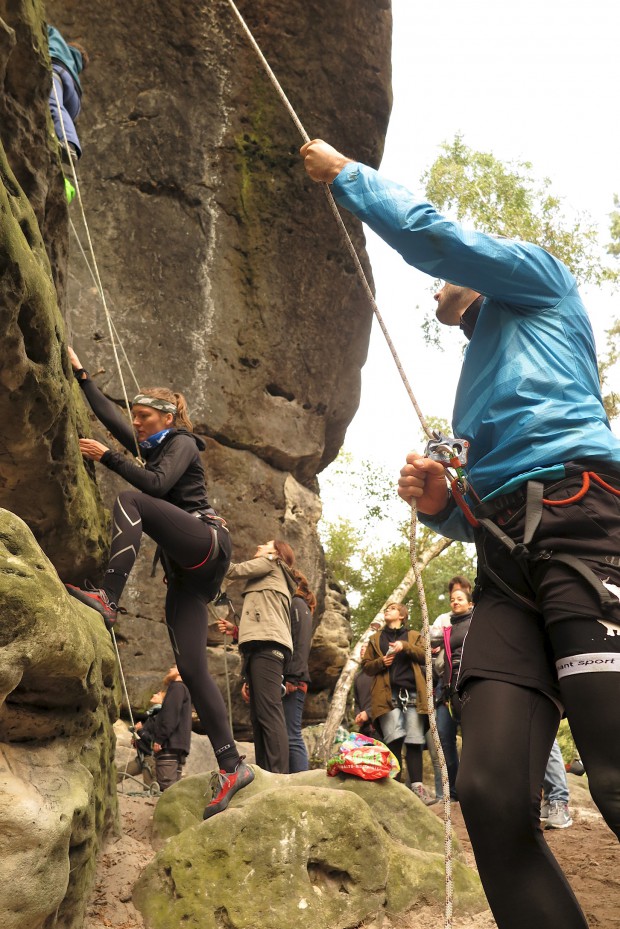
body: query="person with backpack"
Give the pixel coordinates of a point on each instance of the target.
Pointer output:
(266, 644)
(394, 660)
(168, 501)
(170, 730)
(447, 721)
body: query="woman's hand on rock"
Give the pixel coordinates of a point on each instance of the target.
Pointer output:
(92, 449)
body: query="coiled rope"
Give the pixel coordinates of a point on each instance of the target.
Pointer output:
(412, 542)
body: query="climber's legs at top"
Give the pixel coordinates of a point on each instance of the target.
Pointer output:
(70, 104)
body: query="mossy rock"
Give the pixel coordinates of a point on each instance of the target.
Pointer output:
(303, 850)
(399, 812)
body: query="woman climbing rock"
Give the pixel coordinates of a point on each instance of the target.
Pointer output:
(169, 502)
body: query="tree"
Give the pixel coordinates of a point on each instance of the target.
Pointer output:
(345, 681)
(506, 199)
(384, 571)
(612, 356)
(367, 569)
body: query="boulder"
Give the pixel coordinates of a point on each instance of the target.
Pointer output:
(58, 697)
(303, 850)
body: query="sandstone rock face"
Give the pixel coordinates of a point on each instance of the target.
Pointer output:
(331, 641)
(42, 477)
(57, 702)
(221, 261)
(25, 124)
(307, 850)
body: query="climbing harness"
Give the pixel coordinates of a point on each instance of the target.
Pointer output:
(430, 434)
(452, 454)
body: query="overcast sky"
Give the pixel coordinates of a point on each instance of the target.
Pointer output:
(534, 81)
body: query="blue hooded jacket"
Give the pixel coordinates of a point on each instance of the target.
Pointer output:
(528, 399)
(66, 55)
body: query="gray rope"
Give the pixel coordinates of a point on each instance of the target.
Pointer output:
(94, 280)
(123, 682)
(414, 561)
(95, 268)
(343, 229)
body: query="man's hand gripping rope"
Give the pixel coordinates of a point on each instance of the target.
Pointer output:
(427, 480)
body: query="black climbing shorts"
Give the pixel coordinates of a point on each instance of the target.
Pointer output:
(554, 624)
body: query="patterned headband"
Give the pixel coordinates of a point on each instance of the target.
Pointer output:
(164, 406)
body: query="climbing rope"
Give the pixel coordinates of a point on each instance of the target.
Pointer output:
(95, 269)
(123, 682)
(94, 272)
(94, 280)
(413, 553)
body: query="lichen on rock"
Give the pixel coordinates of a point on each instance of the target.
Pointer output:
(58, 698)
(305, 850)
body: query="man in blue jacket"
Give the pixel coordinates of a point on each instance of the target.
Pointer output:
(545, 636)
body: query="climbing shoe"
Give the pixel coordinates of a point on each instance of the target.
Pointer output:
(98, 600)
(225, 786)
(67, 157)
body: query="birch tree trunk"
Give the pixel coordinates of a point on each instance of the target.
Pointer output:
(345, 681)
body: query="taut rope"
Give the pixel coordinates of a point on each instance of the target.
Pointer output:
(94, 269)
(414, 561)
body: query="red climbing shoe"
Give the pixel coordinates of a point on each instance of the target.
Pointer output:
(98, 600)
(227, 784)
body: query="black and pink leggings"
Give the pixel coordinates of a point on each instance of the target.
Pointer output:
(187, 542)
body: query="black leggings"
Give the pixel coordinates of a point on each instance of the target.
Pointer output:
(413, 758)
(190, 542)
(508, 731)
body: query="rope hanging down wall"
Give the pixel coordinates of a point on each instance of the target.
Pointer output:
(94, 271)
(414, 561)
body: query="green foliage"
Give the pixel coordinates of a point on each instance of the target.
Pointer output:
(385, 570)
(369, 483)
(342, 542)
(368, 569)
(611, 398)
(614, 229)
(608, 365)
(567, 743)
(506, 199)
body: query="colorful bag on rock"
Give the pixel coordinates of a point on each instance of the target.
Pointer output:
(364, 757)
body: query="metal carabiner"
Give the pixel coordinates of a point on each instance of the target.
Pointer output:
(445, 448)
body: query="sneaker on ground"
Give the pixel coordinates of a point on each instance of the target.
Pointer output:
(559, 817)
(544, 809)
(98, 600)
(420, 791)
(226, 786)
